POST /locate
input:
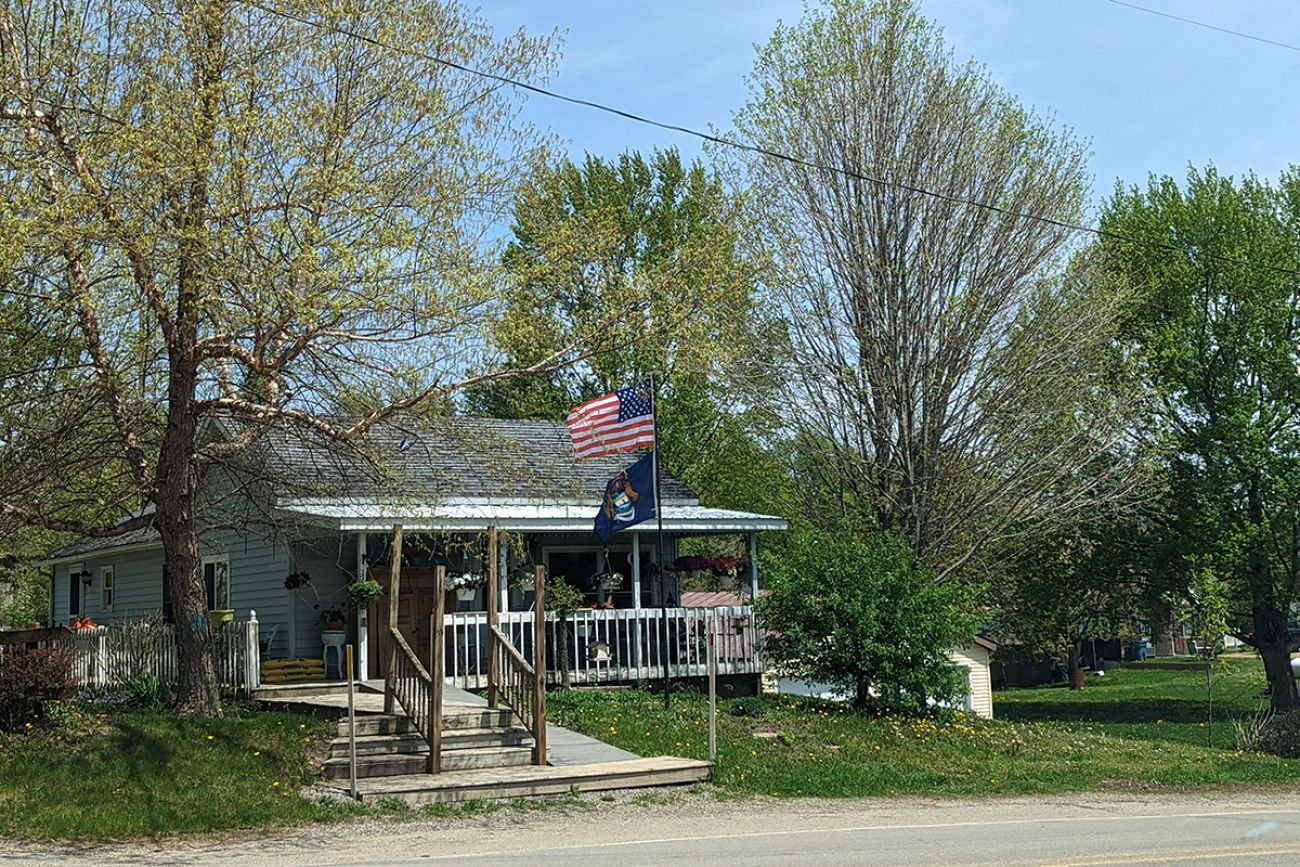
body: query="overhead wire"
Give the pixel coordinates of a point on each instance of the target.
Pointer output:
(1238, 33)
(754, 148)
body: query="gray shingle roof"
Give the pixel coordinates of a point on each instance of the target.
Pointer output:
(425, 461)
(442, 459)
(90, 545)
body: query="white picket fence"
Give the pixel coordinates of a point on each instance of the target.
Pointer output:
(612, 646)
(107, 656)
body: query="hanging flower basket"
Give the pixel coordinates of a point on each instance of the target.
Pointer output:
(466, 594)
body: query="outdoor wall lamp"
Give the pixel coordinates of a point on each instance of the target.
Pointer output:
(86, 577)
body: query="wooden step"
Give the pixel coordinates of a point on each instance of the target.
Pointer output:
(453, 739)
(396, 764)
(469, 717)
(283, 691)
(516, 782)
(377, 724)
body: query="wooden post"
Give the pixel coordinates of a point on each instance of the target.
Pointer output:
(252, 655)
(713, 692)
(352, 732)
(493, 599)
(539, 665)
(434, 735)
(394, 587)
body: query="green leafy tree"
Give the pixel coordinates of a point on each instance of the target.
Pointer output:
(867, 616)
(1215, 339)
(649, 242)
(229, 211)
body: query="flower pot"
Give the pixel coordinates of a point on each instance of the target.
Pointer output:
(466, 594)
(219, 617)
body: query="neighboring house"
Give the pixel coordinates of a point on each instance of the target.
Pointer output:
(975, 659)
(292, 504)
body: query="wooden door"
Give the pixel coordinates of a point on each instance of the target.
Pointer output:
(415, 604)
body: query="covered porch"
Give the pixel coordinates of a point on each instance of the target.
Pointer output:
(625, 633)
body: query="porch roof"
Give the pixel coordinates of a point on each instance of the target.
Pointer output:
(535, 517)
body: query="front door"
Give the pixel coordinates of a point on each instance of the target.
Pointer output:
(415, 604)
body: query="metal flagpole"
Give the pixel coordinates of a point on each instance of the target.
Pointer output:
(659, 521)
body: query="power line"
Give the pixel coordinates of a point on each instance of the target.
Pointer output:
(1239, 34)
(750, 147)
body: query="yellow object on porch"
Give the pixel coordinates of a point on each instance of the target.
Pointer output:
(292, 670)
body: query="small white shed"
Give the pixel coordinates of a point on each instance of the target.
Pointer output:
(975, 659)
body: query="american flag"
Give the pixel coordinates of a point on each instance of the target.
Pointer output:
(620, 421)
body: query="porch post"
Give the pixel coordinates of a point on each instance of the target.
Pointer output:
(493, 597)
(753, 567)
(636, 569)
(503, 590)
(394, 588)
(636, 601)
(363, 615)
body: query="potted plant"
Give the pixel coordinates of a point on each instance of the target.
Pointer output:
(466, 585)
(220, 617)
(333, 620)
(609, 581)
(362, 594)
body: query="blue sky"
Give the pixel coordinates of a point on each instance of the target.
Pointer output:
(1150, 94)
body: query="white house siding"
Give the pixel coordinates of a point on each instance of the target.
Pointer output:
(137, 586)
(329, 561)
(257, 570)
(976, 662)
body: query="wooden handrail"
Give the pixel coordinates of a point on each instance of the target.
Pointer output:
(410, 683)
(521, 686)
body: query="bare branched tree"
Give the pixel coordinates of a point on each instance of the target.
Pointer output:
(951, 373)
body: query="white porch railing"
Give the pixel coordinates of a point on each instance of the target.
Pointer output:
(107, 656)
(612, 646)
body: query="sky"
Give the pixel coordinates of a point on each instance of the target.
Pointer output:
(1148, 93)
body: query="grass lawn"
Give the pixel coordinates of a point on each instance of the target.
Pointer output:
(1135, 729)
(1149, 701)
(131, 774)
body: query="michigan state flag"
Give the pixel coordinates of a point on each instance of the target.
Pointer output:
(629, 499)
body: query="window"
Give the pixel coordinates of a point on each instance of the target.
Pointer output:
(106, 588)
(74, 589)
(216, 580)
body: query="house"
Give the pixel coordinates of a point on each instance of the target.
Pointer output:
(975, 659)
(292, 518)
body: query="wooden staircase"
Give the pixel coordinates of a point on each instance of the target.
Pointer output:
(422, 751)
(389, 745)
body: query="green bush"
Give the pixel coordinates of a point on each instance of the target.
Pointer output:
(866, 616)
(145, 692)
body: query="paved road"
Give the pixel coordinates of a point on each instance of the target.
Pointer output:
(698, 830)
(1257, 838)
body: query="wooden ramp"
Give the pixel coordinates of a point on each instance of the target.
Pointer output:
(532, 780)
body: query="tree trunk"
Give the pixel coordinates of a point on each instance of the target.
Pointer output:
(1077, 680)
(177, 523)
(1274, 645)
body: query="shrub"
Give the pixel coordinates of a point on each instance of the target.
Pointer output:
(146, 692)
(1280, 736)
(754, 705)
(865, 615)
(29, 679)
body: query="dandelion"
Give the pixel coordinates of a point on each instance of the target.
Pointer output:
(257, 752)
(211, 738)
(275, 785)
